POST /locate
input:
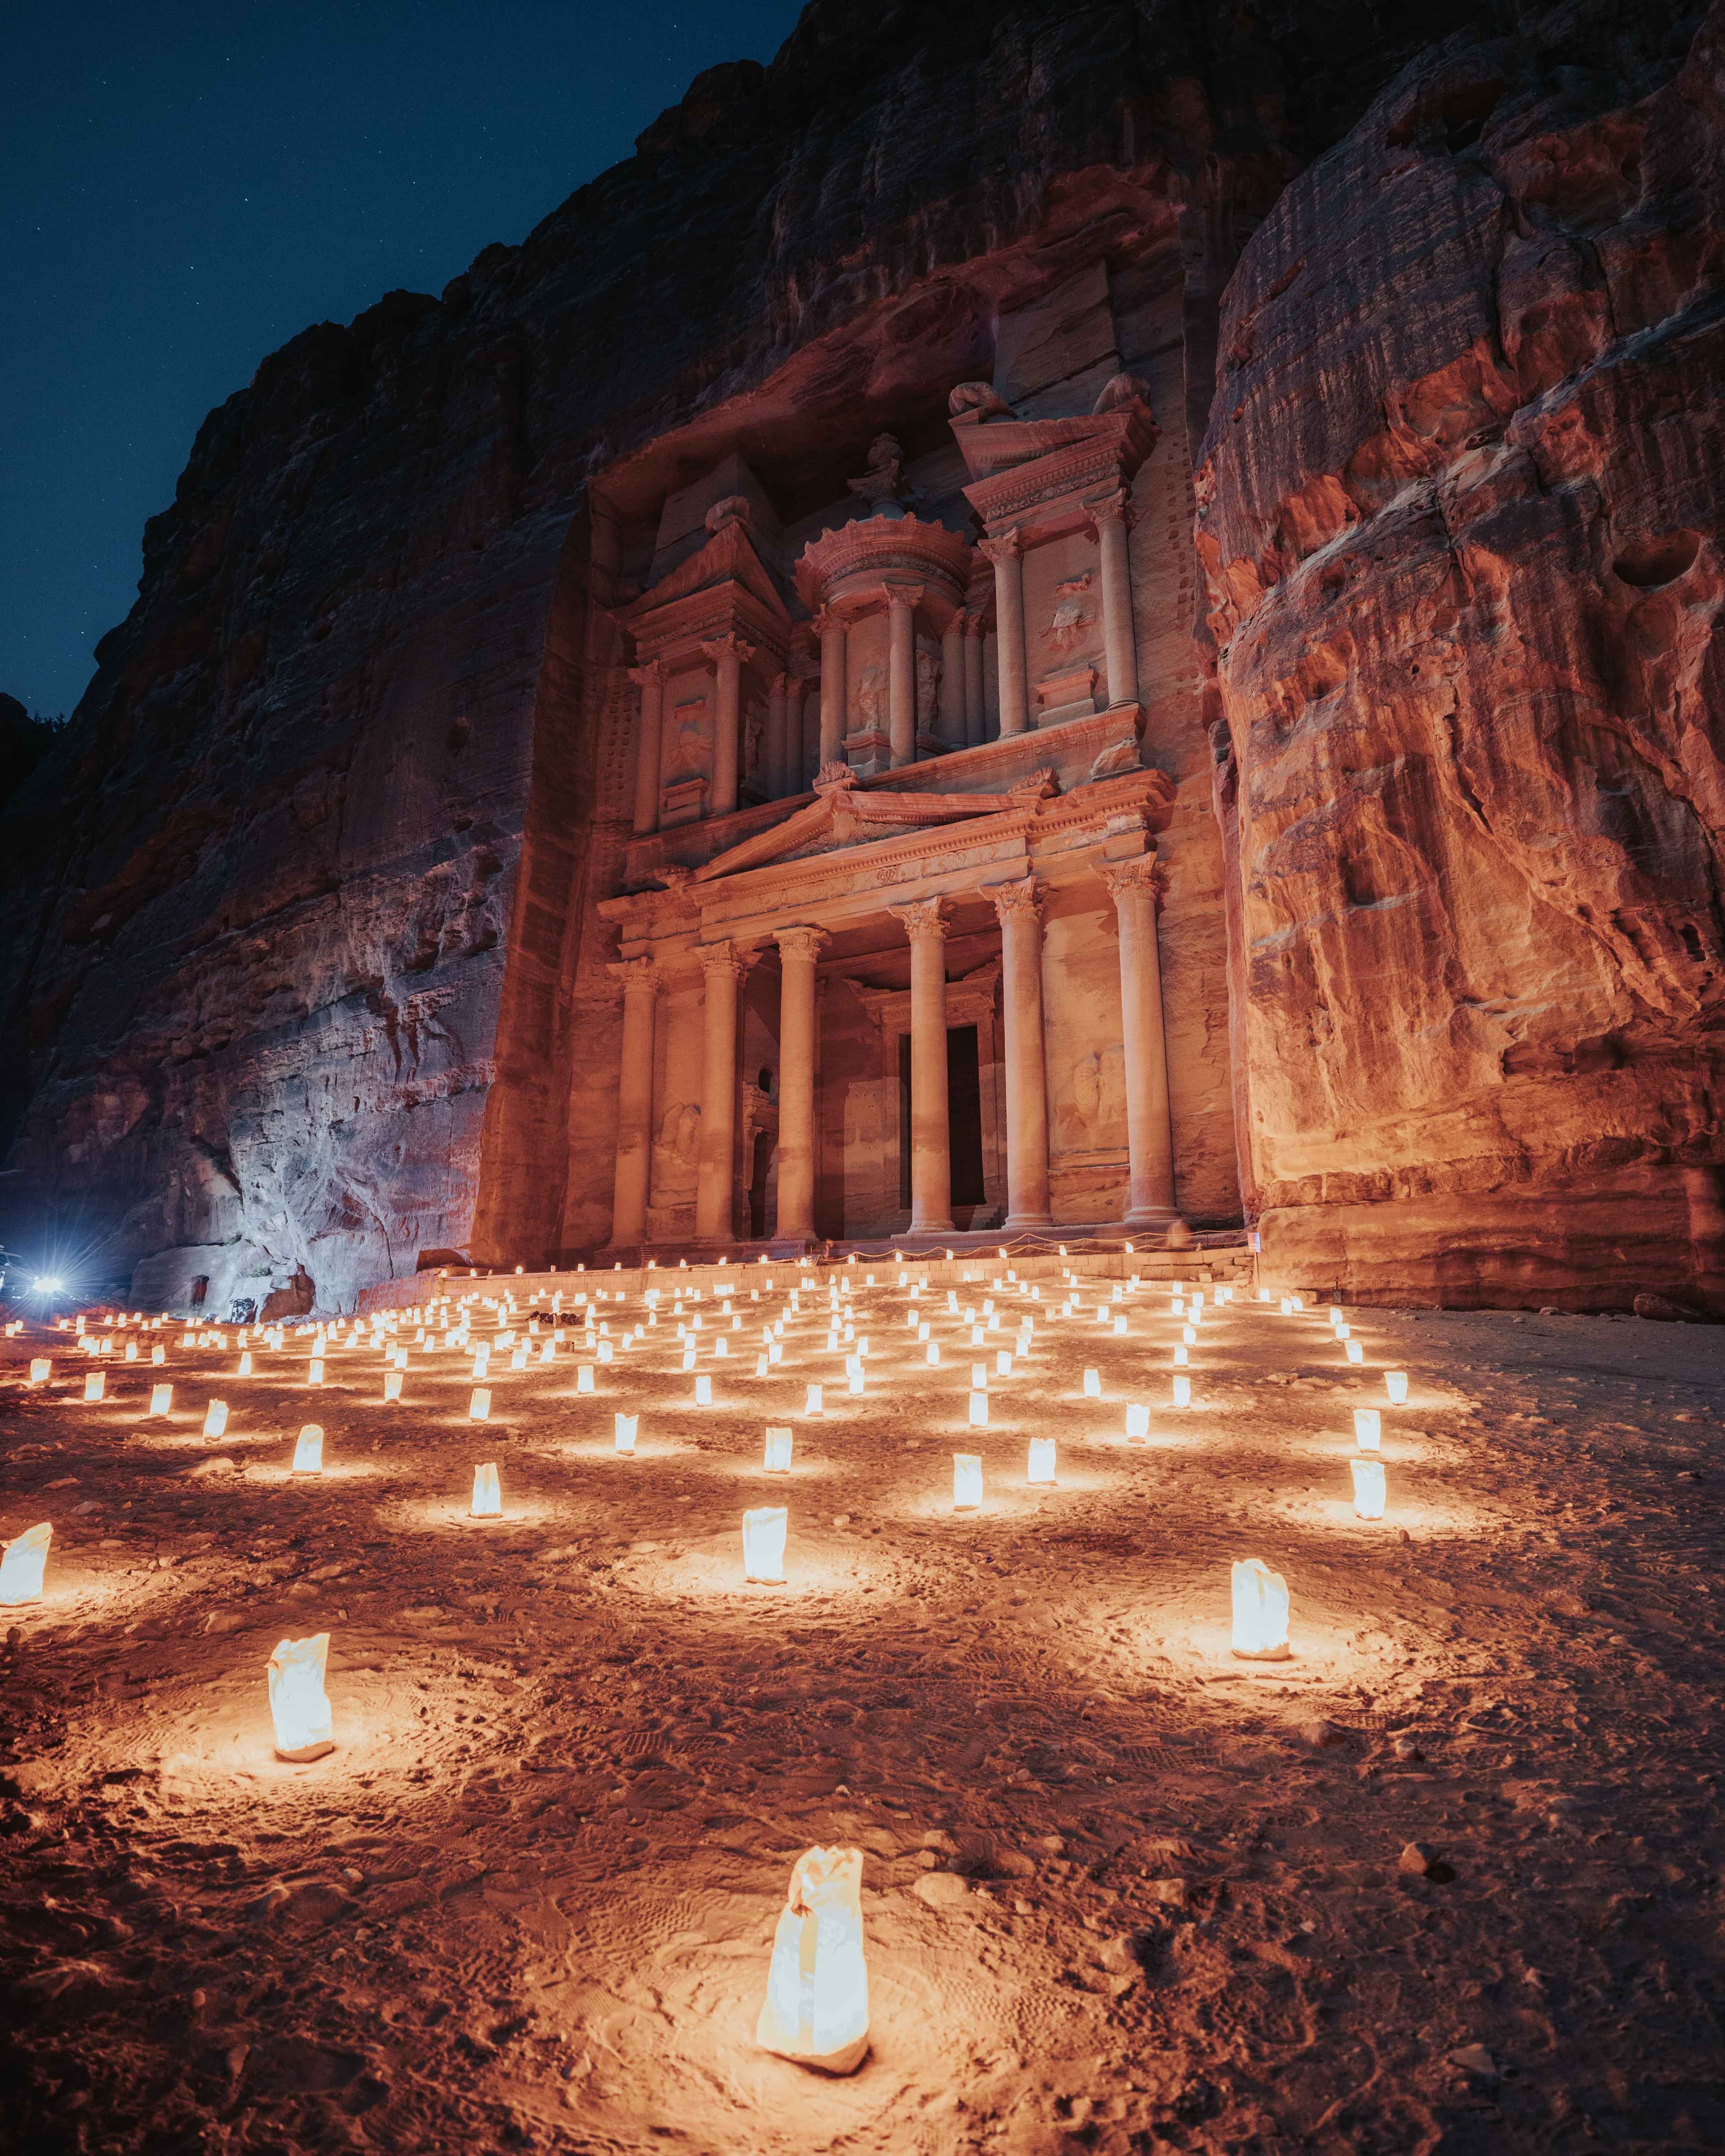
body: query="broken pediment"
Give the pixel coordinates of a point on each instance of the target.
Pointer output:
(849, 816)
(728, 560)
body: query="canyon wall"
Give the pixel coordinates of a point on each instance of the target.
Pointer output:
(1459, 514)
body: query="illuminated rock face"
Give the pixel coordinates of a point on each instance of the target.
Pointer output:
(304, 930)
(1458, 519)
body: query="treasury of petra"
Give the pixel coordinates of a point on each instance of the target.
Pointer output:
(904, 786)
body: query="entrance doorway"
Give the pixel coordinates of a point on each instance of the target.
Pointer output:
(964, 1117)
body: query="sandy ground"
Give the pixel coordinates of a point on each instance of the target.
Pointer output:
(1122, 1891)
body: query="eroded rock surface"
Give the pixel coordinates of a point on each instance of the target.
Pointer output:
(1459, 519)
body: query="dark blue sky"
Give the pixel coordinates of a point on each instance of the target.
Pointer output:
(184, 187)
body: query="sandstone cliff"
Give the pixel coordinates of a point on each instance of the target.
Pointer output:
(293, 910)
(1459, 515)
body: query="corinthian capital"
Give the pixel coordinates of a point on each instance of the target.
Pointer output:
(730, 645)
(923, 917)
(724, 958)
(908, 596)
(802, 942)
(1007, 547)
(636, 976)
(1017, 901)
(1145, 877)
(1116, 508)
(649, 673)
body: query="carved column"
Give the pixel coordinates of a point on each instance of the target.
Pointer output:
(772, 778)
(1135, 888)
(1019, 909)
(635, 1102)
(831, 631)
(798, 949)
(901, 602)
(649, 680)
(931, 1133)
(1111, 519)
(976, 702)
(952, 705)
(1006, 553)
(724, 966)
(728, 653)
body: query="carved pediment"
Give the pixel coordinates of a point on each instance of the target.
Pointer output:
(727, 562)
(848, 816)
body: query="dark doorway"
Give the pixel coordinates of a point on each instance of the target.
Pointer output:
(758, 1184)
(964, 1117)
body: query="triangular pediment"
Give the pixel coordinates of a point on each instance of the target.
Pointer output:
(845, 817)
(728, 557)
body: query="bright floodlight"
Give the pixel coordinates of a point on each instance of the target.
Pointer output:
(47, 1284)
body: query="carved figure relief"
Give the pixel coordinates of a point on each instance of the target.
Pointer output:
(689, 756)
(1070, 621)
(871, 697)
(674, 1153)
(928, 675)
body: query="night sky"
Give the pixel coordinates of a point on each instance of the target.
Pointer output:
(184, 187)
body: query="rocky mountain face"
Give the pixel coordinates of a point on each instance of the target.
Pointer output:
(1459, 519)
(292, 907)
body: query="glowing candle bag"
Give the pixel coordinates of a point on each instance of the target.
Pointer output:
(1182, 1392)
(1368, 1488)
(22, 1562)
(487, 1492)
(392, 1385)
(1093, 1385)
(1395, 1383)
(703, 1391)
(1138, 1419)
(479, 1408)
(162, 1400)
(299, 1706)
(95, 1384)
(41, 1369)
(308, 1452)
(626, 1426)
(763, 1536)
(1260, 1612)
(215, 1419)
(966, 1481)
(1041, 1468)
(1367, 1429)
(816, 2005)
(779, 1451)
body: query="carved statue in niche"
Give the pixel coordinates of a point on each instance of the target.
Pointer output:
(674, 1153)
(871, 698)
(928, 678)
(689, 756)
(1070, 621)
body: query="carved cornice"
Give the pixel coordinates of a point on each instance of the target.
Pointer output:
(925, 919)
(1016, 901)
(802, 942)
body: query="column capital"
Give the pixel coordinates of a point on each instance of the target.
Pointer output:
(776, 684)
(633, 975)
(650, 670)
(975, 622)
(727, 646)
(907, 596)
(724, 958)
(801, 943)
(1145, 877)
(1116, 508)
(1016, 901)
(1007, 547)
(923, 917)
